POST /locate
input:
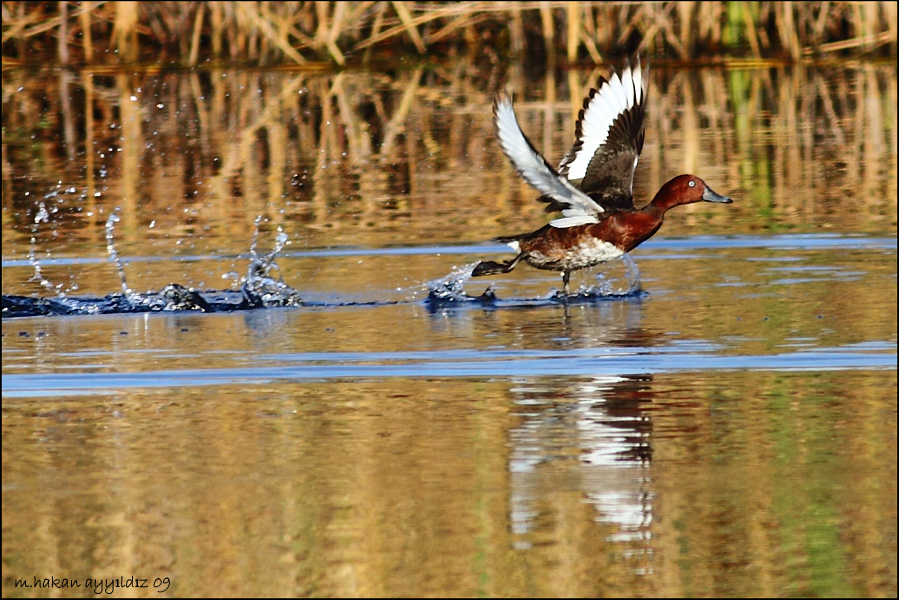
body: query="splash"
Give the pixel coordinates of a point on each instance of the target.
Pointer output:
(261, 265)
(259, 288)
(42, 216)
(129, 295)
(450, 289)
(633, 275)
(605, 285)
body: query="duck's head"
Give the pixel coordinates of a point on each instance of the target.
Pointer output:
(687, 189)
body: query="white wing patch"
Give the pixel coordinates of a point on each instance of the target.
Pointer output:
(534, 168)
(614, 97)
(572, 221)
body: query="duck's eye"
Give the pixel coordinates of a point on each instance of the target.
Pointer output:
(692, 183)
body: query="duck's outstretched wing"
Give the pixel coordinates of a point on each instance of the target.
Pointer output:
(576, 206)
(609, 137)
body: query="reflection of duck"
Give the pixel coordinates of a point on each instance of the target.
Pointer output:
(593, 188)
(604, 421)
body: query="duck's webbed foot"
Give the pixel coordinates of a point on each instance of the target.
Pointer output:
(489, 267)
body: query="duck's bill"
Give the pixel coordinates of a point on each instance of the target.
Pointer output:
(709, 195)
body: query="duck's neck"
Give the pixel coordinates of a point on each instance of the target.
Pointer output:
(662, 202)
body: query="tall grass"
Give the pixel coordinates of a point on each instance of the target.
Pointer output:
(340, 32)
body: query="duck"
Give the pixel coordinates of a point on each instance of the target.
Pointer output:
(593, 186)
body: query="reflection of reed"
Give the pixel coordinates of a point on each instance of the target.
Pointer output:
(414, 154)
(298, 32)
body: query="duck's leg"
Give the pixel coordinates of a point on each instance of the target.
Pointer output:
(565, 276)
(488, 267)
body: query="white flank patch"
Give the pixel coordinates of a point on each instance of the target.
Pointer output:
(515, 245)
(595, 251)
(615, 97)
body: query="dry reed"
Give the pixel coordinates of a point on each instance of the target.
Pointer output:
(187, 33)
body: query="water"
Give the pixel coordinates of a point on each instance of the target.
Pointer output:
(721, 422)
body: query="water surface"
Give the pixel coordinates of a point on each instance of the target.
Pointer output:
(728, 429)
